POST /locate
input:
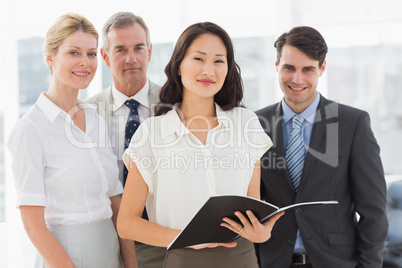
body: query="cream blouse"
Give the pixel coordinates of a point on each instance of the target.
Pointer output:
(182, 173)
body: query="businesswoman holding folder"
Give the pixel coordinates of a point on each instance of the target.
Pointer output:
(200, 144)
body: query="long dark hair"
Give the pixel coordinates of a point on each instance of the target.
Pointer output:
(231, 93)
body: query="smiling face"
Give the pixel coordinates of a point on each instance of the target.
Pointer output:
(75, 62)
(128, 58)
(204, 67)
(298, 77)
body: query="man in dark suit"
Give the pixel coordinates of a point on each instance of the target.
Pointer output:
(338, 160)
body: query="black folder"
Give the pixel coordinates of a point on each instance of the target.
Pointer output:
(205, 226)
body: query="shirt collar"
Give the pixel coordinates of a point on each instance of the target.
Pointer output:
(50, 109)
(142, 97)
(308, 114)
(171, 122)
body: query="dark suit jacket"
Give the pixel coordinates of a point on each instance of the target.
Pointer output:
(343, 164)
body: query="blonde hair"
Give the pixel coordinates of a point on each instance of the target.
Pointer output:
(62, 28)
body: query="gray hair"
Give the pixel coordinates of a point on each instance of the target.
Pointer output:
(123, 20)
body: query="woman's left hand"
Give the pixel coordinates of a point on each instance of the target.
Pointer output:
(252, 230)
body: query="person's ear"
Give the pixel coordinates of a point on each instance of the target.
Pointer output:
(49, 59)
(323, 66)
(105, 57)
(149, 52)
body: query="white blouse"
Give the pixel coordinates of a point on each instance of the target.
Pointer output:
(181, 173)
(58, 166)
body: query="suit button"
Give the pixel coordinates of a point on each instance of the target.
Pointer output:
(291, 242)
(298, 210)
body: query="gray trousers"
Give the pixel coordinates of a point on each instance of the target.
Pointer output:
(91, 245)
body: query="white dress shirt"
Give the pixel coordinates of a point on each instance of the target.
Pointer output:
(182, 173)
(56, 165)
(119, 120)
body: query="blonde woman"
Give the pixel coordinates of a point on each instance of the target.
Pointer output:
(65, 174)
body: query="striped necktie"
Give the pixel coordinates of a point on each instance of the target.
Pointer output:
(295, 152)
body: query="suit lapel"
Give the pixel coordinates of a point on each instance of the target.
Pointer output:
(105, 107)
(153, 95)
(317, 141)
(280, 150)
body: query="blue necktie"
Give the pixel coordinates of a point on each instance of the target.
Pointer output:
(133, 122)
(295, 152)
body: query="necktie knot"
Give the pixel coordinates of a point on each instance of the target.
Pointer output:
(132, 104)
(297, 121)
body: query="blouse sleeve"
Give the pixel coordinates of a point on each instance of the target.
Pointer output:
(28, 164)
(140, 151)
(256, 138)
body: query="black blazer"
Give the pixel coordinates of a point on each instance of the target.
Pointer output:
(343, 163)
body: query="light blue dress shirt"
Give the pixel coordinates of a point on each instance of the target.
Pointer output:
(309, 115)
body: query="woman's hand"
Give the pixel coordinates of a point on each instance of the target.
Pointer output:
(45, 242)
(252, 230)
(214, 245)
